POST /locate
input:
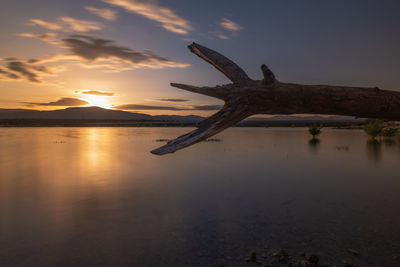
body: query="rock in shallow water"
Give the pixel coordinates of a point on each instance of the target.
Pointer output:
(252, 257)
(354, 252)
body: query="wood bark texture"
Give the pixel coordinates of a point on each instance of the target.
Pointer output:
(245, 97)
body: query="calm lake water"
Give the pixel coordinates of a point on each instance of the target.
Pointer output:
(97, 197)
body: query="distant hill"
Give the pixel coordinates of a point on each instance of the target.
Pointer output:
(90, 113)
(10, 111)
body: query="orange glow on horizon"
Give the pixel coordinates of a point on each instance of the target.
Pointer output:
(98, 101)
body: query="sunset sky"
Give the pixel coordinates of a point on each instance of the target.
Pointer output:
(123, 54)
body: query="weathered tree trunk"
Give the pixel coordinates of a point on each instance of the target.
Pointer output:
(246, 97)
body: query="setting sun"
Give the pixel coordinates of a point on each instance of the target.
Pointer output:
(98, 101)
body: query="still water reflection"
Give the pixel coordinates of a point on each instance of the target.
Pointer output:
(96, 196)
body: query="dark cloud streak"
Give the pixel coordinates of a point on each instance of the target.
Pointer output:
(171, 100)
(25, 70)
(9, 74)
(65, 101)
(184, 108)
(92, 49)
(16, 69)
(90, 52)
(93, 92)
(146, 107)
(205, 107)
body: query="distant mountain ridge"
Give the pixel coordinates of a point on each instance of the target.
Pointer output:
(91, 113)
(97, 113)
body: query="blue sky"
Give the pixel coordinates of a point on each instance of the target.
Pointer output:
(314, 42)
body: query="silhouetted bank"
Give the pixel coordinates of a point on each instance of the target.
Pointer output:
(146, 123)
(97, 117)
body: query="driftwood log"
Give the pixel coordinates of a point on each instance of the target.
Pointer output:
(245, 97)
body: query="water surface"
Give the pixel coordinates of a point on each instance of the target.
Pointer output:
(97, 197)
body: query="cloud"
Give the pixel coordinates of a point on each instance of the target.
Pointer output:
(230, 29)
(184, 108)
(104, 13)
(24, 70)
(93, 92)
(230, 25)
(223, 36)
(146, 107)
(87, 51)
(80, 25)
(171, 100)
(8, 74)
(65, 101)
(8, 59)
(68, 24)
(48, 25)
(104, 53)
(154, 11)
(17, 69)
(27, 70)
(48, 37)
(205, 107)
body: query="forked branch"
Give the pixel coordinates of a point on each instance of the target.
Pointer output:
(246, 97)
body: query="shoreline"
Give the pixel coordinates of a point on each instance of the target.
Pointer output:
(144, 123)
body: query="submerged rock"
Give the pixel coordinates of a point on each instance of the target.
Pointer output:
(354, 252)
(348, 264)
(280, 257)
(312, 259)
(252, 257)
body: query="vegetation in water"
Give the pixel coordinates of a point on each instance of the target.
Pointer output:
(314, 130)
(373, 127)
(389, 131)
